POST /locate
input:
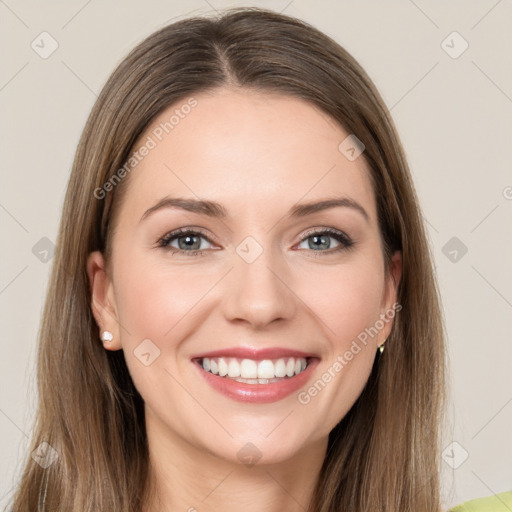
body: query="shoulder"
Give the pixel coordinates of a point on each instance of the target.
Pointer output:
(496, 503)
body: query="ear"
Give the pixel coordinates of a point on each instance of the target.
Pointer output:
(103, 299)
(389, 303)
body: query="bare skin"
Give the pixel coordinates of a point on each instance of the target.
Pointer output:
(258, 155)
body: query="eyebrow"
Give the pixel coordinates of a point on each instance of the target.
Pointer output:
(216, 210)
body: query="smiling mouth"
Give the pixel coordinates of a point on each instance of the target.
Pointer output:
(251, 371)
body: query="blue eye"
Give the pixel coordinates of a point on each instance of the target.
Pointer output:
(321, 241)
(190, 242)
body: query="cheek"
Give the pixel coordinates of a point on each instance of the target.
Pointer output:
(347, 301)
(156, 304)
(156, 300)
(346, 298)
(355, 308)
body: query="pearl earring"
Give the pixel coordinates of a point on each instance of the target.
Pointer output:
(107, 336)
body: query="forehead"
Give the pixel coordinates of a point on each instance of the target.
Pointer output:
(242, 148)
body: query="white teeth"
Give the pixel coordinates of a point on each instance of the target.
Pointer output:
(290, 367)
(300, 365)
(266, 369)
(249, 369)
(233, 368)
(223, 367)
(256, 381)
(263, 371)
(280, 368)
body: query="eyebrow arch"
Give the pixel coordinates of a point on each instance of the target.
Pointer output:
(216, 210)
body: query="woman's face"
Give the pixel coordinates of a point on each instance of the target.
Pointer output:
(266, 277)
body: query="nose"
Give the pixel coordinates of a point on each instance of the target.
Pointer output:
(258, 293)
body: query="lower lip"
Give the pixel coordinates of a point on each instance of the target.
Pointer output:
(257, 393)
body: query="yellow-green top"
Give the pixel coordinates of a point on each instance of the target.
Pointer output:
(497, 503)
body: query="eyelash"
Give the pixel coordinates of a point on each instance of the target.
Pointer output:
(345, 241)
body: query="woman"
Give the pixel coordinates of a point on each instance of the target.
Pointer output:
(242, 233)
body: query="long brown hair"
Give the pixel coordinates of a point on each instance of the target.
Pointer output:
(384, 455)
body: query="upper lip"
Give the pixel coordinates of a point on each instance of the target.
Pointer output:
(256, 353)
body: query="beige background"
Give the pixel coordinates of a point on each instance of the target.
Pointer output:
(454, 117)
